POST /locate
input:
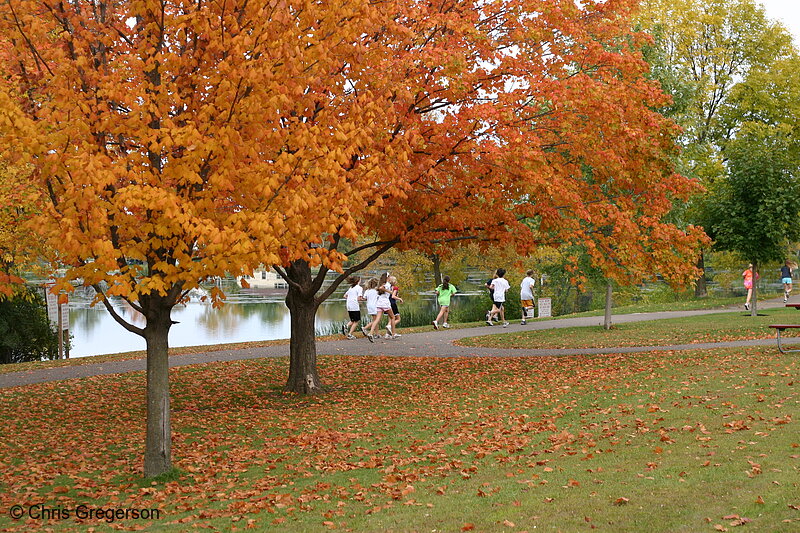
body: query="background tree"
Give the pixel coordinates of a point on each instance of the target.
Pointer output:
(753, 211)
(25, 332)
(703, 50)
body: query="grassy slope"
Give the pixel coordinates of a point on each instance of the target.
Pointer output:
(660, 442)
(697, 329)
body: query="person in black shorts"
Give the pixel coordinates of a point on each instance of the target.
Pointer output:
(491, 295)
(786, 279)
(394, 297)
(354, 296)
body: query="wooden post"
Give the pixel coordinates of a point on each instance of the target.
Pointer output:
(607, 318)
(60, 333)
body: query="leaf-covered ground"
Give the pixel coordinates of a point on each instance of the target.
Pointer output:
(667, 441)
(689, 330)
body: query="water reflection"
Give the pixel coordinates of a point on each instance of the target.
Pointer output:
(249, 315)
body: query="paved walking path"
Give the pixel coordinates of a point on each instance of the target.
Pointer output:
(427, 344)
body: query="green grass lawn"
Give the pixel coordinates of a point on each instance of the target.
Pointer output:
(697, 329)
(663, 441)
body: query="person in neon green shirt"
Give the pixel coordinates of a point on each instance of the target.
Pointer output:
(443, 293)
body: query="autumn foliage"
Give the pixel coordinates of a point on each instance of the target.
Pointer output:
(201, 138)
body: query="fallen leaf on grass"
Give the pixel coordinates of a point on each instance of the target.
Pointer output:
(782, 420)
(621, 501)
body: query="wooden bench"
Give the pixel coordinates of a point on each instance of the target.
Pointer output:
(779, 328)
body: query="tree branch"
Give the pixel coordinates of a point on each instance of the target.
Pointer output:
(386, 245)
(121, 321)
(282, 273)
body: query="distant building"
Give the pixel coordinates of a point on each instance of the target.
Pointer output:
(264, 278)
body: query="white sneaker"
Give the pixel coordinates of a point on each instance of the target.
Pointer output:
(445, 325)
(351, 337)
(364, 331)
(396, 336)
(522, 323)
(747, 307)
(490, 322)
(435, 325)
(369, 337)
(387, 336)
(389, 329)
(344, 330)
(505, 324)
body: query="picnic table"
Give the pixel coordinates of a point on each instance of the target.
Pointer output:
(779, 328)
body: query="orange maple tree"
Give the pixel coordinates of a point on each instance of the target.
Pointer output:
(527, 124)
(178, 141)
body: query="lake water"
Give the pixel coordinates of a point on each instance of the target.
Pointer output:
(248, 315)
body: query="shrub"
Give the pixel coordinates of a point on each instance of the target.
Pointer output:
(25, 333)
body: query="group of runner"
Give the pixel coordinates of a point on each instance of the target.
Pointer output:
(381, 296)
(498, 286)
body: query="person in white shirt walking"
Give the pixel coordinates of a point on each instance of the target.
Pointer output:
(499, 287)
(526, 296)
(384, 306)
(371, 295)
(354, 295)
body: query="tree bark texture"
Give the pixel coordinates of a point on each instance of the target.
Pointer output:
(302, 304)
(701, 288)
(754, 300)
(437, 269)
(609, 301)
(158, 442)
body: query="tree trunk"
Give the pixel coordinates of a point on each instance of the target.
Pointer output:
(701, 288)
(437, 269)
(303, 375)
(158, 442)
(609, 300)
(754, 301)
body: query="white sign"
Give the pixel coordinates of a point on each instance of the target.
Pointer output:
(545, 307)
(52, 310)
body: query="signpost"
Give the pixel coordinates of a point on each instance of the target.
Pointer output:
(59, 318)
(545, 308)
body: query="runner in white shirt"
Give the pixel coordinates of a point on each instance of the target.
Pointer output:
(371, 295)
(499, 288)
(354, 295)
(526, 296)
(383, 305)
